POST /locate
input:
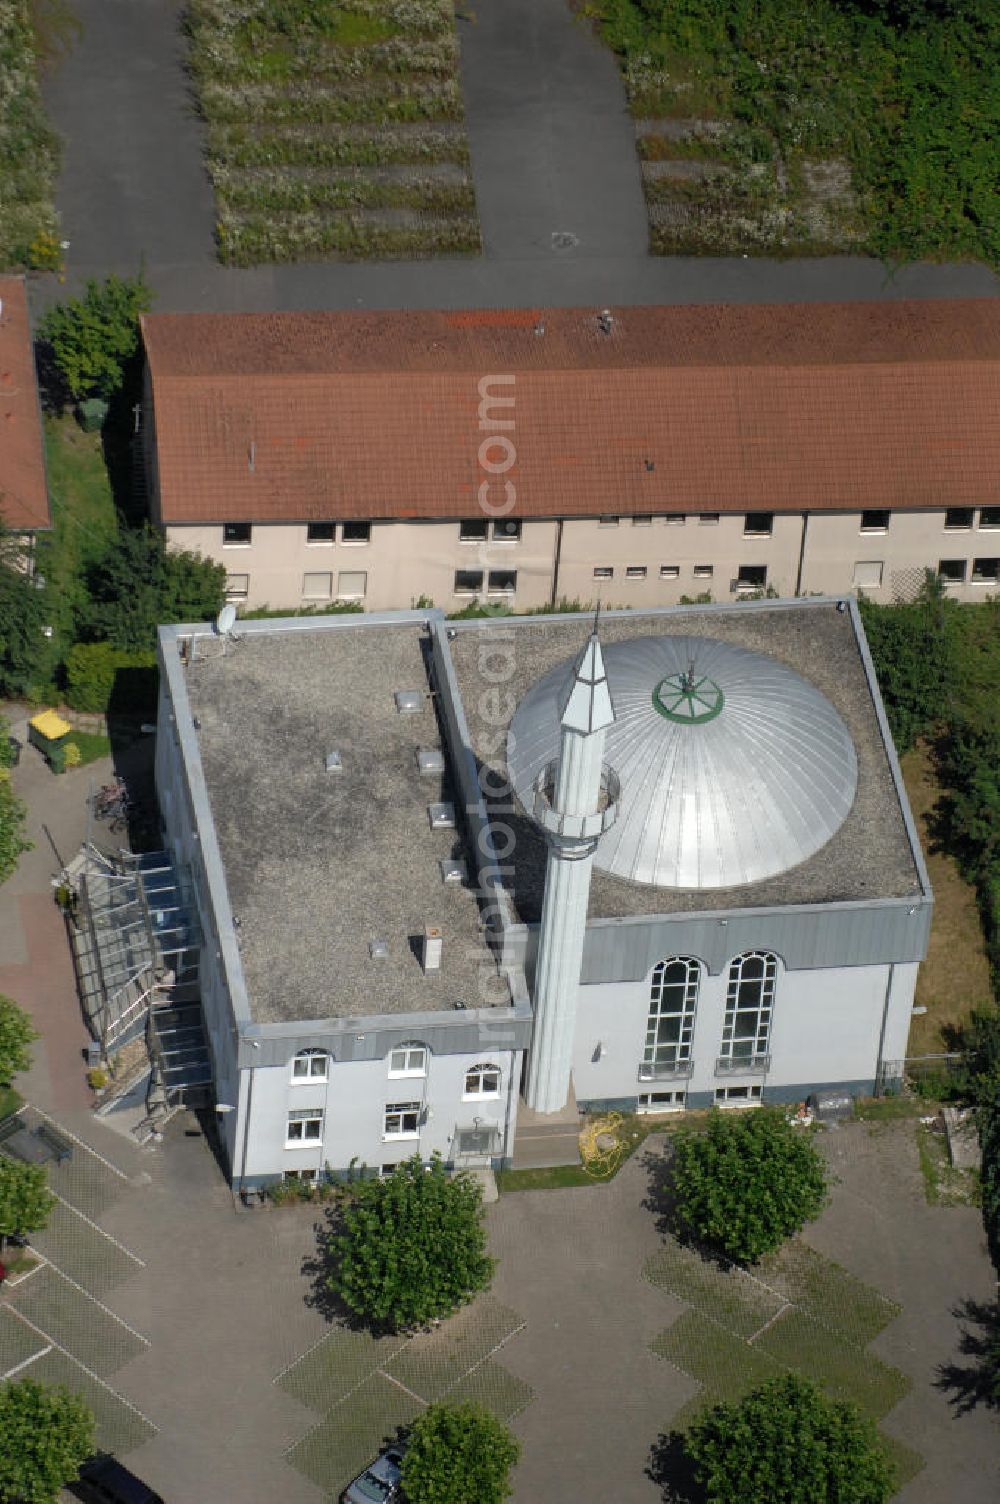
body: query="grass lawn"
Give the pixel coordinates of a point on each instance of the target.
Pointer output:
(29, 148)
(956, 974)
(84, 520)
(333, 131)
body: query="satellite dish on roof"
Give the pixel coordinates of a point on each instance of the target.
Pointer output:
(226, 620)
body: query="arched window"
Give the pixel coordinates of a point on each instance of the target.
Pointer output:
(408, 1059)
(482, 1081)
(746, 1033)
(310, 1065)
(673, 998)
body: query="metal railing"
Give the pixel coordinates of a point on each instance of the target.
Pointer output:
(742, 1065)
(680, 1070)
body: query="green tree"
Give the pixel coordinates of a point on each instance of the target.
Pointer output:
(13, 814)
(746, 1182)
(24, 653)
(48, 1434)
(786, 1443)
(139, 583)
(411, 1247)
(16, 1034)
(94, 337)
(25, 1199)
(458, 1453)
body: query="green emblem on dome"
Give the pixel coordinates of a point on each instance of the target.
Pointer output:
(688, 698)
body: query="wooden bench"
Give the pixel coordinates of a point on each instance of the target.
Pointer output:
(60, 1148)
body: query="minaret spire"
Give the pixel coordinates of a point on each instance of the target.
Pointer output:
(574, 804)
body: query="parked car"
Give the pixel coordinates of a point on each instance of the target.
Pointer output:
(379, 1483)
(104, 1480)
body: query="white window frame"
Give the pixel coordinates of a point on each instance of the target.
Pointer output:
(988, 527)
(650, 1103)
(745, 1094)
(703, 572)
(859, 564)
(303, 1174)
(311, 594)
(235, 592)
(608, 520)
(473, 590)
(246, 542)
(984, 579)
(758, 532)
(635, 571)
(669, 1000)
(708, 519)
(499, 533)
(492, 589)
(880, 527)
(304, 1118)
(670, 571)
(481, 1073)
(748, 587)
(401, 1111)
(311, 1058)
(676, 519)
(642, 519)
(475, 537)
(344, 594)
(415, 1057)
(953, 579)
(604, 572)
(355, 542)
(737, 1003)
(960, 527)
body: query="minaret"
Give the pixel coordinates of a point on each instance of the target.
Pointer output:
(575, 802)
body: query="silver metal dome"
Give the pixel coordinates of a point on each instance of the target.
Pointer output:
(732, 766)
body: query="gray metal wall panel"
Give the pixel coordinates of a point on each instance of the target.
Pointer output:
(477, 1032)
(849, 935)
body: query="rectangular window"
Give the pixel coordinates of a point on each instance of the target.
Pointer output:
(352, 585)
(507, 530)
(502, 581)
(317, 587)
(408, 1060)
(758, 524)
(670, 572)
(305, 1126)
(482, 1081)
(952, 571)
(703, 571)
(321, 532)
(676, 519)
(236, 533)
(874, 522)
(708, 519)
(356, 532)
(868, 574)
(473, 530)
(468, 581)
(956, 518)
(986, 570)
(751, 577)
(298, 1174)
(238, 586)
(662, 1101)
(603, 572)
(643, 519)
(737, 1095)
(607, 522)
(989, 517)
(635, 572)
(402, 1120)
(386, 1170)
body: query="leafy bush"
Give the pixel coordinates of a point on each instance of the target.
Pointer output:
(94, 337)
(17, 1033)
(139, 583)
(411, 1248)
(456, 1453)
(747, 1182)
(92, 669)
(48, 1434)
(13, 841)
(25, 1199)
(786, 1443)
(29, 147)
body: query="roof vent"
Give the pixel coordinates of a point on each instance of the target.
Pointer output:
(441, 816)
(430, 760)
(459, 1006)
(378, 949)
(409, 701)
(334, 762)
(605, 320)
(432, 944)
(453, 870)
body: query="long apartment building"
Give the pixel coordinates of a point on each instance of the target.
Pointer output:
(633, 455)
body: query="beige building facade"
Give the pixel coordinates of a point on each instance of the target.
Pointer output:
(638, 561)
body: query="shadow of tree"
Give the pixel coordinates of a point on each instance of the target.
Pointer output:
(661, 1200)
(672, 1470)
(316, 1268)
(978, 1381)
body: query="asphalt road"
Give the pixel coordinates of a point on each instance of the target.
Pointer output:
(553, 160)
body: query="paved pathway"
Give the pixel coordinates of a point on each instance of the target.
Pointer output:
(552, 152)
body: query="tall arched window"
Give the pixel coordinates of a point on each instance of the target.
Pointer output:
(746, 1033)
(673, 998)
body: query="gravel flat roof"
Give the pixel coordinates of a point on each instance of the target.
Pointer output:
(319, 864)
(869, 857)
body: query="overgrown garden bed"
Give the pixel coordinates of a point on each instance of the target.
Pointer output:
(797, 127)
(29, 149)
(334, 130)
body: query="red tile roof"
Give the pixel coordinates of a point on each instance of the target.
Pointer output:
(783, 407)
(24, 497)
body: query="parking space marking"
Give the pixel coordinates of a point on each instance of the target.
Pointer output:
(99, 1303)
(82, 1143)
(91, 1223)
(53, 1344)
(24, 1363)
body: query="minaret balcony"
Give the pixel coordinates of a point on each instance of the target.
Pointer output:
(576, 827)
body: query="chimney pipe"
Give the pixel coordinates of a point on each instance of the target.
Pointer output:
(432, 947)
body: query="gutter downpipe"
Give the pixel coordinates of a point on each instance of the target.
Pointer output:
(246, 1134)
(553, 601)
(885, 1020)
(802, 553)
